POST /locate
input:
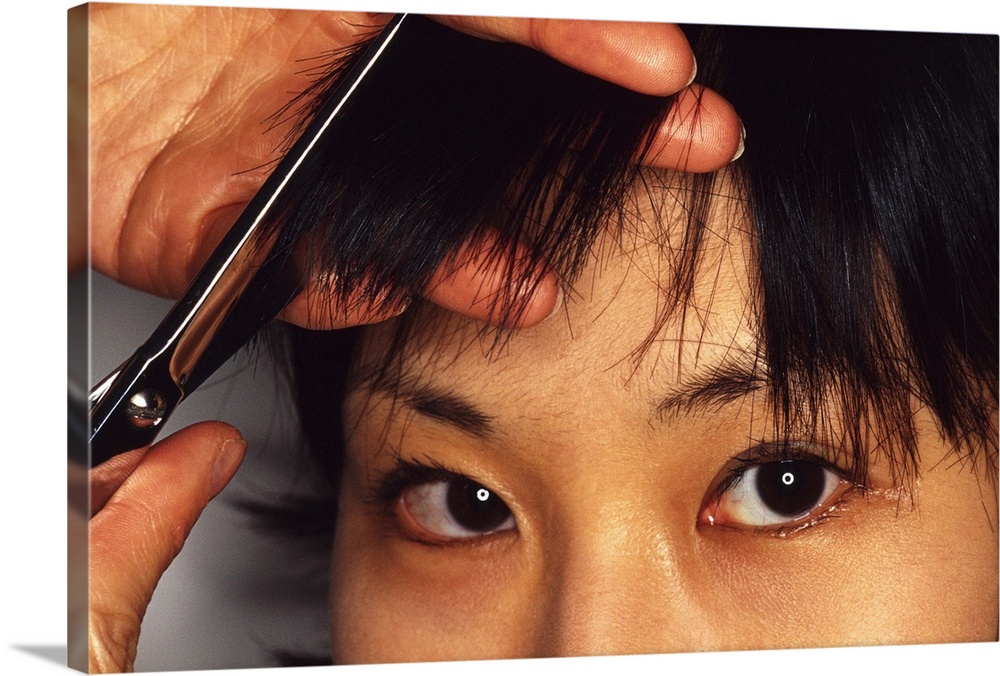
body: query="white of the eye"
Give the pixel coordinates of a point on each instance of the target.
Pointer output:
(428, 506)
(743, 506)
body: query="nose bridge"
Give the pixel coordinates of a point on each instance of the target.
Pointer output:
(614, 587)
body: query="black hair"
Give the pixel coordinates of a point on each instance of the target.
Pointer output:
(454, 140)
(872, 189)
(870, 181)
(459, 140)
(871, 184)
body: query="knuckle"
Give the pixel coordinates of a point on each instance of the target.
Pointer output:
(113, 638)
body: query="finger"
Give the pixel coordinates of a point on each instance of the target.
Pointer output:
(316, 308)
(107, 477)
(475, 281)
(649, 58)
(701, 133)
(142, 528)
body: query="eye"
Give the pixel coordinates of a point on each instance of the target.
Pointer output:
(456, 509)
(774, 495)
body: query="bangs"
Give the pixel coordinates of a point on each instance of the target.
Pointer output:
(459, 140)
(872, 185)
(870, 180)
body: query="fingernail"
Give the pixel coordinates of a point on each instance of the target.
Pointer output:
(694, 71)
(742, 146)
(226, 464)
(560, 299)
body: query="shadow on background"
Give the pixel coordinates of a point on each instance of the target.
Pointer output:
(49, 653)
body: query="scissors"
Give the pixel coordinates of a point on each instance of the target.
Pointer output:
(244, 284)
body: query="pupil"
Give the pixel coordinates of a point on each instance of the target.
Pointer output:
(475, 507)
(790, 488)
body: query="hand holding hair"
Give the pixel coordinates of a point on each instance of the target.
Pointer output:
(702, 133)
(181, 140)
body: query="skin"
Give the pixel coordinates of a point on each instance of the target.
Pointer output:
(178, 99)
(611, 550)
(142, 527)
(172, 161)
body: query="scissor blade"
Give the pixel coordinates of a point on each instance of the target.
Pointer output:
(245, 283)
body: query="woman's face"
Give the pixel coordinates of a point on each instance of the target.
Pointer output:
(596, 486)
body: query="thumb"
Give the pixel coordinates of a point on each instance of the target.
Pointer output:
(143, 526)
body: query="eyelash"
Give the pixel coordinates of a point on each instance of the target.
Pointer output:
(766, 454)
(406, 473)
(390, 489)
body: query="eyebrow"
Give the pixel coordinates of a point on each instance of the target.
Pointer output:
(438, 404)
(708, 392)
(704, 393)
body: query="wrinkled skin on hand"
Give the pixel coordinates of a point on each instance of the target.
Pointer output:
(142, 526)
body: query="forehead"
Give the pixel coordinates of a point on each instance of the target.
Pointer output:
(618, 329)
